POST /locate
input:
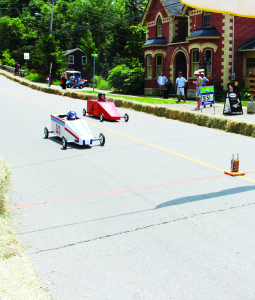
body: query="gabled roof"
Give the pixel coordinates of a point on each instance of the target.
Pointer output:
(249, 47)
(67, 52)
(156, 41)
(172, 7)
(204, 33)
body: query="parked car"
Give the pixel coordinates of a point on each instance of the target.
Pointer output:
(80, 83)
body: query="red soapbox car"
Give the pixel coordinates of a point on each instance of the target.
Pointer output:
(103, 109)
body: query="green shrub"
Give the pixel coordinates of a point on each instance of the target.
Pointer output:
(100, 83)
(128, 80)
(7, 60)
(35, 76)
(245, 94)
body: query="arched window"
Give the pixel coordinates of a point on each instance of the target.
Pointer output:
(208, 62)
(194, 61)
(149, 66)
(159, 65)
(159, 27)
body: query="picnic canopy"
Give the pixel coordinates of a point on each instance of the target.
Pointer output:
(241, 8)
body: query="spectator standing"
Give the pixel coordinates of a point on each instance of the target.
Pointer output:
(180, 84)
(48, 80)
(198, 84)
(162, 80)
(63, 80)
(205, 80)
(16, 68)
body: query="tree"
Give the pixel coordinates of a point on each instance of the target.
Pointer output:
(45, 52)
(11, 33)
(128, 80)
(137, 38)
(7, 60)
(88, 47)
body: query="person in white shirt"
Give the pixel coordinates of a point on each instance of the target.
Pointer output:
(162, 80)
(205, 80)
(180, 84)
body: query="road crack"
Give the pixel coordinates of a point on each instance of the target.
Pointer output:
(142, 228)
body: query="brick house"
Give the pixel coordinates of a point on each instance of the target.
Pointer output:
(181, 38)
(76, 62)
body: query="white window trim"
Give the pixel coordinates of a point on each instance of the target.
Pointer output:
(82, 62)
(69, 56)
(149, 66)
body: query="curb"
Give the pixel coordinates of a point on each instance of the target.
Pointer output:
(245, 128)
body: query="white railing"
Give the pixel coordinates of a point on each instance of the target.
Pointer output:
(12, 69)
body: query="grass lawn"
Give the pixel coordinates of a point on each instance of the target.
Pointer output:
(144, 99)
(152, 99)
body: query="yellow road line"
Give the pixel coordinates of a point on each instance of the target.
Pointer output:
(30, 101)
(169, 151)
(135, 139)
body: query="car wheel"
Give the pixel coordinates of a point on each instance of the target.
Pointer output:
(126, 117)
(81, 86)
(101, 117)
(102, 139)
(84, 112)
(64, 142)
(46, 132)
(69, 85)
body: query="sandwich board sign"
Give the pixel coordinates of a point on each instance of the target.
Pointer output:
(233, 104)
(207, 95)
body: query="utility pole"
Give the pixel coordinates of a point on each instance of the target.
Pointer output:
(51, 22)
(94, 69)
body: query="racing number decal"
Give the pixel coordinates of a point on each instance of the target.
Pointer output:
(57, 129)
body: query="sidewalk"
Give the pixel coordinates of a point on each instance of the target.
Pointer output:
(217, 109)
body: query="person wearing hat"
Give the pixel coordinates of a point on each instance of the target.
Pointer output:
(180, 84)
(204, 79)
(198, 84)
(162, 80)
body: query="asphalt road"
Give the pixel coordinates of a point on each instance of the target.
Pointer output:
(151, 215)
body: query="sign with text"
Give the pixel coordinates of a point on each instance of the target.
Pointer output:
(207, 95)
(26, 55)
(233, 104)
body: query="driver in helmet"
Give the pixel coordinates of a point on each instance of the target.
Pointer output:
(101, 97)
(71, 115)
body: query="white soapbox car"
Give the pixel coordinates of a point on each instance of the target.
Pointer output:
(72, 131)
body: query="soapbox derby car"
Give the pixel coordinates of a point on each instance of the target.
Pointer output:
(72, 129)
(103, 109)
(80, 82)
